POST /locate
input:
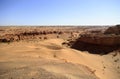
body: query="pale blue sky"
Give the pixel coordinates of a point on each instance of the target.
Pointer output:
(59, 12)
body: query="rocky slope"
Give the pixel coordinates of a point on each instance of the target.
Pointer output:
(98, 41)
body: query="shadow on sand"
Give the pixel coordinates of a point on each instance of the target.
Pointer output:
(94, 49)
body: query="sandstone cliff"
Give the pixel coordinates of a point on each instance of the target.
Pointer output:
(98, 42)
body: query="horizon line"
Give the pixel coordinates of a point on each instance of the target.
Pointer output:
(65, 25)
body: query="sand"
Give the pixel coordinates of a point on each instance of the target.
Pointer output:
(49, 59)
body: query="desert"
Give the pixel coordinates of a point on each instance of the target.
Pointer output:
(60, 52)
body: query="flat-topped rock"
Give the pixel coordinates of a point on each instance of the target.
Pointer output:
(110, 37)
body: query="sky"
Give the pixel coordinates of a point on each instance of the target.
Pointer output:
(59, 12)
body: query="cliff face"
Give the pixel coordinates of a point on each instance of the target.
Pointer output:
(110, 37)
(100, 39)
(99, 42)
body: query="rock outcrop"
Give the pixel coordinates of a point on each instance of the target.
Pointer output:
(113, 30)
(42, 34)
(27, 35)
(98, 42)
(100, 39)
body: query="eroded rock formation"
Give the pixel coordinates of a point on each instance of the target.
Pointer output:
(29, 33)
(98, 42)
(113, 30)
